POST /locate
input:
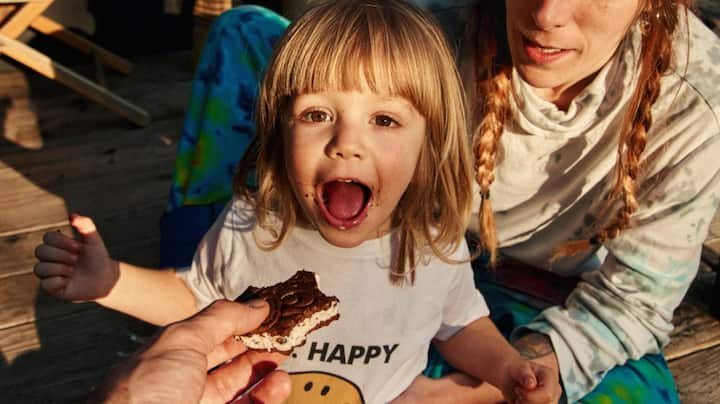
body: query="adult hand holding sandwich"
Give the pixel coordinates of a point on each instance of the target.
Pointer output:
(176, 366)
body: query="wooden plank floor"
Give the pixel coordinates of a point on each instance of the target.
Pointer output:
(58, 154)
(78, 157)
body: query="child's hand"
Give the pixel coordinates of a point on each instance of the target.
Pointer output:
(532, 383)
(72, 269)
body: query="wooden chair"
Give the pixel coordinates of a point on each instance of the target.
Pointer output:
(204, 13)
(16, 16)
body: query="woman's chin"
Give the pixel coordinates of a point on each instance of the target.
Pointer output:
(540, 78)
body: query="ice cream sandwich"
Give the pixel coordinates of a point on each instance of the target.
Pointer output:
(297, 307)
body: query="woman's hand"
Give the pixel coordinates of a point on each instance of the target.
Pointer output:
(538, 348)
(530, 382)
(76, 270)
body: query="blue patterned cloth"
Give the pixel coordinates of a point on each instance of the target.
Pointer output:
(217, 131)
(218, 126)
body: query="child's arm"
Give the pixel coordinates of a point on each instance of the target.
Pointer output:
(482, 352)
(453, 388)
(81, 270)
(157, 296)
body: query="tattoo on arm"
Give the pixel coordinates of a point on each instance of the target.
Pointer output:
(534, 346)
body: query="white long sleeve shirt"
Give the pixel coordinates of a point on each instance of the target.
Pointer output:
(554, 171)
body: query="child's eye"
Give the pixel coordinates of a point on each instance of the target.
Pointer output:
(316, 116)
(384, 120)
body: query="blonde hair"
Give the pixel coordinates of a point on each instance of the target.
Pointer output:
(492, 76)
(399, 51)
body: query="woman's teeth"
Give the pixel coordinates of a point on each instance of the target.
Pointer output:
(549, 50)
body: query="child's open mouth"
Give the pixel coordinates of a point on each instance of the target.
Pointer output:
(343, 202)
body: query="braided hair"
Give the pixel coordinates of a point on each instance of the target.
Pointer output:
(492, 62)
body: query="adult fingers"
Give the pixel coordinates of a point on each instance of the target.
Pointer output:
(230, 383)
(205, 331)
(45, 252)
(63, 241)
(274, 388)
(50, 269)
(236, 376)
(230, 348)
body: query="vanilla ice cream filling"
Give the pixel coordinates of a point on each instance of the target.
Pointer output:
(297, 334)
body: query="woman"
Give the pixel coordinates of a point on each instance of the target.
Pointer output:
(596, 141)
(596, 136)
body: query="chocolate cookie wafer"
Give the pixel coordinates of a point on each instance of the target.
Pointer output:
(297, 307)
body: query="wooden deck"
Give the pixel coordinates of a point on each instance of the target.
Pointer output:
(61, 154)
(78, 157)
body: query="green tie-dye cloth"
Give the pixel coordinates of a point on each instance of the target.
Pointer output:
(219, 123)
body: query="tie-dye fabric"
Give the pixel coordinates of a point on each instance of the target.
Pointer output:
(219, 124)
(645, 380)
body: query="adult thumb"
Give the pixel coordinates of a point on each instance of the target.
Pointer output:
(224, 319)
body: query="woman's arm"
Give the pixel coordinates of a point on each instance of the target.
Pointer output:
(623, 310)
(538, 348)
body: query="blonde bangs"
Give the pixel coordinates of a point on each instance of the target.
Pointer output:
(336, 48)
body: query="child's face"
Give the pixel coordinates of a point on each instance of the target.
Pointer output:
(350, 157)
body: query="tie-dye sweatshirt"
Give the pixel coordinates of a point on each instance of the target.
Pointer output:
(554, 172)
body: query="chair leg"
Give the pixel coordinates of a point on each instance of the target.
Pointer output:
(6, 11)
(52, 28)
(99, 71)
(21, 19)
(715, 302)
(55, 71)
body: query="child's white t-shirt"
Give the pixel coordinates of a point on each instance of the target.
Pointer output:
(380, 343)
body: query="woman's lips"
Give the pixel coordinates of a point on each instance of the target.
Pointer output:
(541, 55)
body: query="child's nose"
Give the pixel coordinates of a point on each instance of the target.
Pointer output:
(347, 144)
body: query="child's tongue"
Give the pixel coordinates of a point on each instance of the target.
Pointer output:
(344, 200)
